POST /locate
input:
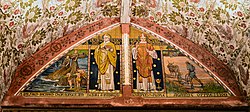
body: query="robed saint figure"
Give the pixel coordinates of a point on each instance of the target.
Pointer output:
(105, 57)
(144, 54)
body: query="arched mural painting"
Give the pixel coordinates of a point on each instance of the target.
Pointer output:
(91, 70)
(174, 74)
(124, 53)
(39, 62)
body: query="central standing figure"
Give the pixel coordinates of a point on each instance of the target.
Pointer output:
(144, 54)
(105, 57)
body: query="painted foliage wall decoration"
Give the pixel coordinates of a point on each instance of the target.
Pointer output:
(27, 25)
(221, 26)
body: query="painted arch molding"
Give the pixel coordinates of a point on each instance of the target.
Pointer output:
(42, 59)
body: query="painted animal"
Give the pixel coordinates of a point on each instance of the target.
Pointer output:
(174, 69)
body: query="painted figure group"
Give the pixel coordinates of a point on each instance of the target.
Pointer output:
(69, 73)
(105, 57)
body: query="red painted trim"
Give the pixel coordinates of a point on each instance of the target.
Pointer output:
(20, 101)
(125, 28)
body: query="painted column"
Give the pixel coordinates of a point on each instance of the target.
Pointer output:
(125, 22)
(126, 54)
(125, 10)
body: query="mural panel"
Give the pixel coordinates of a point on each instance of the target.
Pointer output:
(160, 70)
(90, 69)
(26, 26)
(220, 26)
